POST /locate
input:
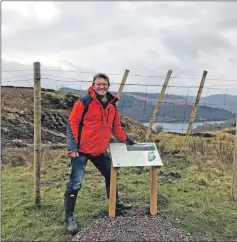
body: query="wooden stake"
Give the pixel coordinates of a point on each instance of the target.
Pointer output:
(112, 193)
(156, 109)
(37, 133)
(125, 75)
(153, 170)
(189, 130)
(234, 183)
(153, 195)
(113, 175)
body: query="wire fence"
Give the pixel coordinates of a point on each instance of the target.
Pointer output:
(218, 104)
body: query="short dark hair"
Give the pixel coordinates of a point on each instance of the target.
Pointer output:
(101, 75)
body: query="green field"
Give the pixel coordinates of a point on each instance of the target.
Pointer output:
(194, 191)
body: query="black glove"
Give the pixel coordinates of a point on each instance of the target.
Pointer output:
(130, 141)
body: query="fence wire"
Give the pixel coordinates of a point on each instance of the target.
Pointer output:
(139, 97)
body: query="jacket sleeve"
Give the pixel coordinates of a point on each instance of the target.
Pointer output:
(118, 130)
(73, 126)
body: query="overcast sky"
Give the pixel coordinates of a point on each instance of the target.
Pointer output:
(148, 38)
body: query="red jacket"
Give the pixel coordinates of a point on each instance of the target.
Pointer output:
(90, 125)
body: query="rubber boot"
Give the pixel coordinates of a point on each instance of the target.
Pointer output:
(69, 205)
(119, 204)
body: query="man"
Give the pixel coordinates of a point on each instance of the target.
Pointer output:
(92, 121)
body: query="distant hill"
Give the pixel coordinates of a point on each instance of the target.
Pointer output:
(224, 101)
(72, 90)
(175, 108)
(17, 117)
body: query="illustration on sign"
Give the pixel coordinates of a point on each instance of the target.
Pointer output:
(141, 154)
(151, 156)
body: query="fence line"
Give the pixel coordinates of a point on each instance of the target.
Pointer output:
(169, 109)
(168, 106)
(162, 100)
(213, 87)
(120, 74)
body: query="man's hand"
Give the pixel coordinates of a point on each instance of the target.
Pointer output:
(131, 141)
(73, 154)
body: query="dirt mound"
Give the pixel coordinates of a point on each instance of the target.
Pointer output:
(136, 228)
(18, 116)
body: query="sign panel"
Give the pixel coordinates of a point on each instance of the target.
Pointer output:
(141, 154)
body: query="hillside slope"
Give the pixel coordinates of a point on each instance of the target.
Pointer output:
(174, 108)
(18, 116)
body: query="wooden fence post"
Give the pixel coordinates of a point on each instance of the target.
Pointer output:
(153, 118)
(37, 132)
(234, 183)
(189, 130)
(125, 75)
(113, 174)
(153, 170)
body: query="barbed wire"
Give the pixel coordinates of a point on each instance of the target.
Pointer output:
(16, 77)
(25, 80)
(168, 107)
(151, 76)
(163, 120)
(120, 74)
(16, 70)
(129, 84)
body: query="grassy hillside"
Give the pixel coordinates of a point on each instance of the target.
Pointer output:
(194, 183)
(139, 106)
(194, 190)
(18, 118)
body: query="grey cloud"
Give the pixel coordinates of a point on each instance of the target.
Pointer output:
(222, 14)
(190, 41)
(148, 38)
(72, 30)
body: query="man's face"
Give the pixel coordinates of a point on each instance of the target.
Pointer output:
(101, 86)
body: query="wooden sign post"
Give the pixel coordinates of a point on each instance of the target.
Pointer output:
(153, 192)
(112, 193)
(145, 154)
(113, 178)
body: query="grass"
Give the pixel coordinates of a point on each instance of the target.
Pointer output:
(199, 200)
(204, 208)
(21, 221)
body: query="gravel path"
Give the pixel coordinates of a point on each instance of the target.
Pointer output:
(135, 228)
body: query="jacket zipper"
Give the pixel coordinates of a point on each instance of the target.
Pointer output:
(108, 116)
(101, 116)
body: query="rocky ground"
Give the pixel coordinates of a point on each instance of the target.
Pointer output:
(135, 228)
(18, 117)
